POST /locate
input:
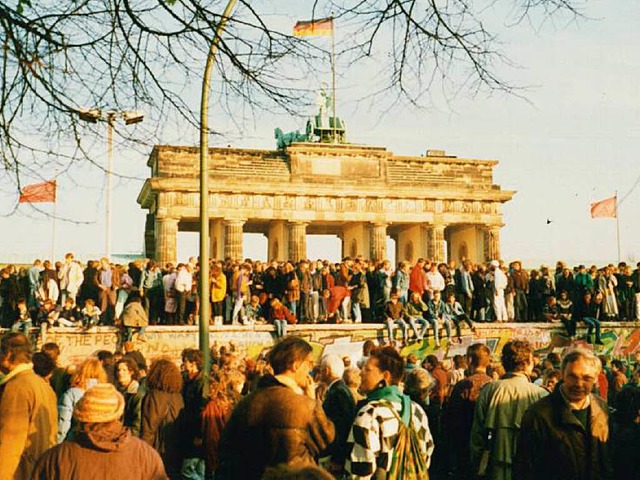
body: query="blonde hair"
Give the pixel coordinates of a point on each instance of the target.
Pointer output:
(91, 369)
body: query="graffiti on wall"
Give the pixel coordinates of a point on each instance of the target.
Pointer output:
(623, 341)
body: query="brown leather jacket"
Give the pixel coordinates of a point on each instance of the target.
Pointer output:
(277, 426)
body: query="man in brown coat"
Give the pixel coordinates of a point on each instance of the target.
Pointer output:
(566, 434)
(279, 423)
(28, 412)
(103, 448)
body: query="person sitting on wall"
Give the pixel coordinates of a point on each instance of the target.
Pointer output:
(280, 316)
(415, 310)
(454, 312)
(436, 317)
(90, 315)
(394, 315)
(23, 321)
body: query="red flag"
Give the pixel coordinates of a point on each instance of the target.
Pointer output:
(605, 208)
(320, 27)
(39, 193)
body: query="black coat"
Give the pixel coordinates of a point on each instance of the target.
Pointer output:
(553, 444)
(340, 408)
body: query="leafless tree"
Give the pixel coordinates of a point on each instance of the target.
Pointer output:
(59, 56)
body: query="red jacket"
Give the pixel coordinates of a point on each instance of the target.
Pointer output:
(417, 279)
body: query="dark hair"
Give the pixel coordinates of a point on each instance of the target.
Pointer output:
(105, 356)
(17, 346)
(516, 354)
(165, 376)
(131, 365)
(389, 360)
(460, 361)
(618, 364)
(431, 360)
(367, 346)
(479, 355)
(554, 358)
(193, 355)
(286, 352)
(43, 364)
(52, 349)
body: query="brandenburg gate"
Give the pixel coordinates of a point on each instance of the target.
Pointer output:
(435, 206)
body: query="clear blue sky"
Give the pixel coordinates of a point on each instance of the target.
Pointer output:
(574, 140)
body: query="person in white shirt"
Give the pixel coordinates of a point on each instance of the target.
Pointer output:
(499, 285)
(184, 281)
(435, 280)
(71, 277)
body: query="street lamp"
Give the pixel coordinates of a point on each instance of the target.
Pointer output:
(130, 117)
(205, 306)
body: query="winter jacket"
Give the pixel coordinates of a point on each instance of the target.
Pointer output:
(500, 408)
(554, 445)
(134, 315)
(276, 425)
(108, 451)
(28, 421)
(160, 426)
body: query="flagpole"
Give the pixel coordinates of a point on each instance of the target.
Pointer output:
(53, 227)
(333, 79)
(618, 225)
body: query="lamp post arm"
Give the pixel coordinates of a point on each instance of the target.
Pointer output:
(205, 306)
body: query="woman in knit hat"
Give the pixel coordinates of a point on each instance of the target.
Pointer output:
(102, 448)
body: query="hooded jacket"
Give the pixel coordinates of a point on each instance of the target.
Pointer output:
(103, 451)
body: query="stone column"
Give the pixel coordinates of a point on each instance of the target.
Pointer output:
(233, 239)
(166, 240)
(492, 242)
(379, 241)
(297, 241)
(435, 245)
(150, 236)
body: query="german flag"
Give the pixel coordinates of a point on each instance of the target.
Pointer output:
(321, 27)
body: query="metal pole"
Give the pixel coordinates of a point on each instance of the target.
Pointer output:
(110, 122)
(333, 80)
(205, 305)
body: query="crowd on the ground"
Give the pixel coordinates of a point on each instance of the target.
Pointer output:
(286, 416)
(412, 299)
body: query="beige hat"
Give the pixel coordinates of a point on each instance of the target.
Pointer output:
(100, 404)
(495, 263)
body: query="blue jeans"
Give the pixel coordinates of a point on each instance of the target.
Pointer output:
(357, 313)
(414, 321)
(131, 330)
(434, 324)
(192, 469)
(399, 323)
(293, 308)
(22, 326)
(591, 323)
(281, 328)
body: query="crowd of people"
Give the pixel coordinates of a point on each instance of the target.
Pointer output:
(411, 299)
(286, 416)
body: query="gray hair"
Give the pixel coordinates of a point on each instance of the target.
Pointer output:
(580, 353)
(334, 364)
(418, 382)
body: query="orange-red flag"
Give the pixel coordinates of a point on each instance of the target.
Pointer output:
(320, 27)
(39, 193)
(605, 208)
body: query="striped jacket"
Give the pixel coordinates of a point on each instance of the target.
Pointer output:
(373, 437)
